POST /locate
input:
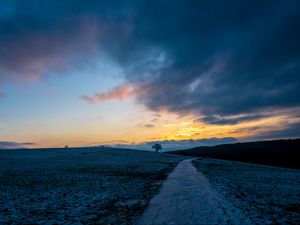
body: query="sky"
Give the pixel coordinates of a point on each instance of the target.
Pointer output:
(134, 72)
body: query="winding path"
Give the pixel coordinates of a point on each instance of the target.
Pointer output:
(186, 198)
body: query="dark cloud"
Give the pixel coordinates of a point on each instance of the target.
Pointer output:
(216, 59)
(38, 38)
(169, 145)
(292, 131)
(220, 62)
(214, 119)
(148, 125)
(13, 145)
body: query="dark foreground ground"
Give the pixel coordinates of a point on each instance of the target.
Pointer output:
(79, 186)
(283, 153)
(261, 194)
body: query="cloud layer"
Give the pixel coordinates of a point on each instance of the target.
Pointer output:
(170, 145)
(13, 145)
(117, 93)
(226, 62)
(221, 63)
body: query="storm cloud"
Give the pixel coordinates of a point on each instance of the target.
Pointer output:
(220, 60)
(225, 61)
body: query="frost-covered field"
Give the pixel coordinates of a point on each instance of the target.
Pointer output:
(264, 194)
(79, 186)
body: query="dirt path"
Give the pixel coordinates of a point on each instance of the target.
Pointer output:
(186, 198)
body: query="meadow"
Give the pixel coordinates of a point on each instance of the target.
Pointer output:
(79, 186)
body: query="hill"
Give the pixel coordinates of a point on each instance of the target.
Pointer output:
(283, 153)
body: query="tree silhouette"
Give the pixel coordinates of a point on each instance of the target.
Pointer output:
(157, 147)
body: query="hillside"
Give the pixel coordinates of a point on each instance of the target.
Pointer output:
(283, 153)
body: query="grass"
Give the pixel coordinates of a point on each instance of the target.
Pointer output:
(83, 186)
(265, 194)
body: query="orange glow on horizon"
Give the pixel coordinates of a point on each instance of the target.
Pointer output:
(166, 126)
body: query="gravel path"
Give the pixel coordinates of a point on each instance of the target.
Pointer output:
(187, 198)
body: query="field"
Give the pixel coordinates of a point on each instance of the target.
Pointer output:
(115, 186)
(263, 194)
(79, 186)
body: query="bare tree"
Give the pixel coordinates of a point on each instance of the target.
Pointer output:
(157, 147)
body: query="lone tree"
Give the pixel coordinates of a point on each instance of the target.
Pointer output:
(157, 147)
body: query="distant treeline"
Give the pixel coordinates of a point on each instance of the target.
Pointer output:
(283, 153)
